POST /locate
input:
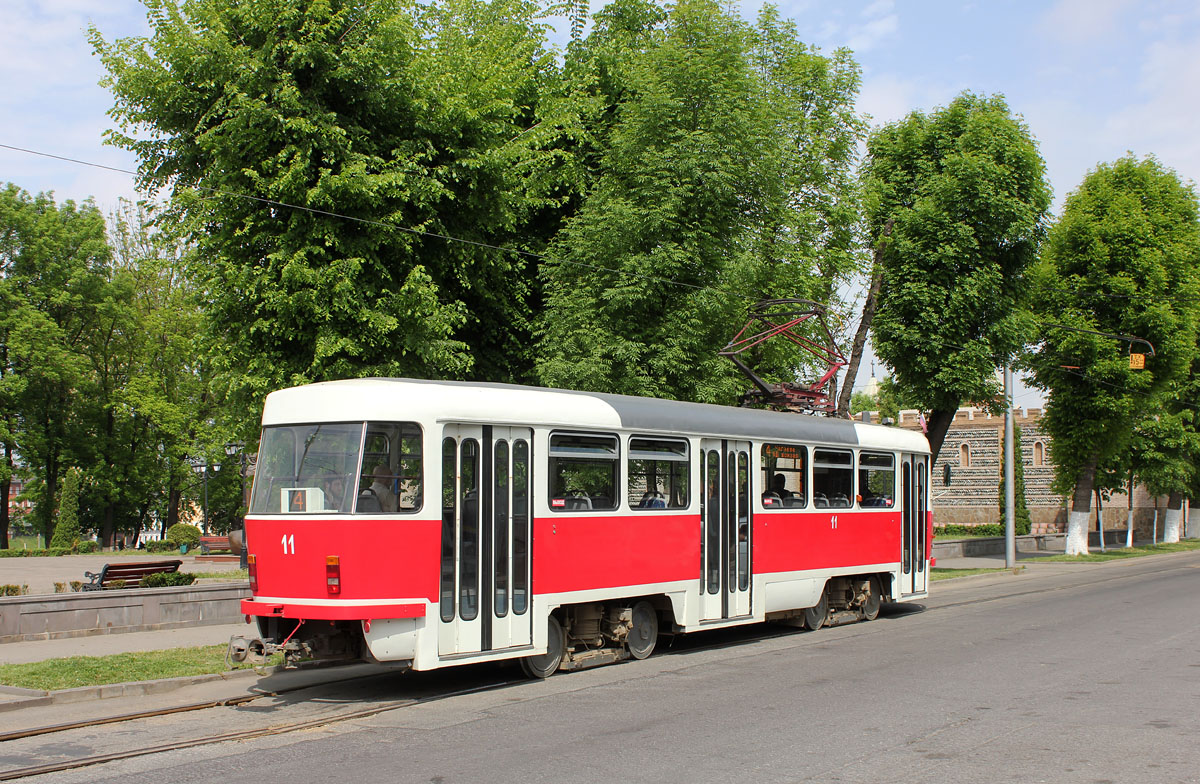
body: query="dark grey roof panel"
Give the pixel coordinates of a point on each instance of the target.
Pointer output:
(644, 413)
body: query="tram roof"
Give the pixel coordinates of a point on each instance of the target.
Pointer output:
(401, 399)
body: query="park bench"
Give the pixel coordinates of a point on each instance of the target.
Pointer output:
(127, 572)
(210, 543)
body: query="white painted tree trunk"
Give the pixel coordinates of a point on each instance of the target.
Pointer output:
(1077, 532)
(1193, 521)
(1129, 528)
(1171, 524)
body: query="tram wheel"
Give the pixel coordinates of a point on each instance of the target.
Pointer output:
(544, 665)
(644, 634)
(814, 617)
(870, 607)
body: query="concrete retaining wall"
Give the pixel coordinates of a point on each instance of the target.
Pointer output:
(124, 610)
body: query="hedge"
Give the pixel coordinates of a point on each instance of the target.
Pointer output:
(167, 579)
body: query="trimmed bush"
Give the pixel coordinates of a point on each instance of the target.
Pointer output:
(87, 546)
(14, 590)
(162, 546)
(184, 533)
(989, 529)
(167, 579)
(46, 553)
(66, 528)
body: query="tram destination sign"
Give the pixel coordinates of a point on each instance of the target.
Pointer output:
(783, 451)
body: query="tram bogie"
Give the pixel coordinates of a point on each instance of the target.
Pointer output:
(428, 524)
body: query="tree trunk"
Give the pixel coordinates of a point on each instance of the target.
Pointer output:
(107, 528)
(173, 496)
(938, 425)
(1081, 508)
(1193, 520)
(5, 487)
(1174, 517)
(864, 326)
(1129, 517)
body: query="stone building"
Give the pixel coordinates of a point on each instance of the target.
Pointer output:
(974, 449)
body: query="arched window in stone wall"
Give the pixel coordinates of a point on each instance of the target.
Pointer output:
(1039, 454)
(964, 455)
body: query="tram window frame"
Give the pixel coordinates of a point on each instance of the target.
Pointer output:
(406, 468)
(656, 457)
(305, 487)
(868, 479)
(587, 454)
(828, 493)
(769, 466)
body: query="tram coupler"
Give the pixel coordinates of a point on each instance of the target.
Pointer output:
(258, 652)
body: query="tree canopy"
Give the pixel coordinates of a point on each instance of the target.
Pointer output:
(1121, 261)
(966, 190)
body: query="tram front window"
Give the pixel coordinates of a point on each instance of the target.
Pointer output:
(306, 469)
(339, 469)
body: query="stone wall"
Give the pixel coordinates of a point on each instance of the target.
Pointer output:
(125, 610)
(973, 496)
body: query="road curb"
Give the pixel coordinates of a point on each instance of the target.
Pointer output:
(30, 698)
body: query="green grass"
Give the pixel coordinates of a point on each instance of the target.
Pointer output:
(22, 543)
(1113, 553)
(949, 574)
(76, 671)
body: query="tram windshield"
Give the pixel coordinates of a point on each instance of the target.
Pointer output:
(307, 468)
(339, 468)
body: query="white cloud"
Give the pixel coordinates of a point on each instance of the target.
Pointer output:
(1081, 22)
(882, 23)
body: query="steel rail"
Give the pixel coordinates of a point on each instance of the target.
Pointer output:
(261, 732)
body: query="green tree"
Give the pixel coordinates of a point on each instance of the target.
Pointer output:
(966, 191)
(1122, 259)
(719, 156)
(54, 264)
(67, 531)
(416, 121)
(1023, 523)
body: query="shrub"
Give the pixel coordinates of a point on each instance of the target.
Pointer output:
(66, 529)
(50, 551)
(60, 587)
(184, 533)
(116, 584)
(989, 529)
(87, 546)
(14, 590)
(167, 579)
(76, 586)
(162, 546)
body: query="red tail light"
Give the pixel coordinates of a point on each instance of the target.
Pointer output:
(333, 574)
(252, 565)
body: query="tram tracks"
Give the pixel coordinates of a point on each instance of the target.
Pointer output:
(208, 739)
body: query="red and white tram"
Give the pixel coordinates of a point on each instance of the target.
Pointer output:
(432, 523)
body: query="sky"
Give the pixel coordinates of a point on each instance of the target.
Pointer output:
(1093, 79)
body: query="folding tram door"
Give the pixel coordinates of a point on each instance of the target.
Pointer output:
(914, 480)
(726, 530)
(484, 582)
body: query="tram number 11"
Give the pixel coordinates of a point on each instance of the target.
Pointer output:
(289, 544)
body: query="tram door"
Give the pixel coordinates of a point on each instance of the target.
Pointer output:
(915, 491)
(726, 530)
(484, 583)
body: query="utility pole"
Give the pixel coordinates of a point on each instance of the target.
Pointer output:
(1010, 485)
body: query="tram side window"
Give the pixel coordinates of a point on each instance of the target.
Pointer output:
(390, 478)
(583, 472)
(877, 479)
(783, 476)
(658, 474)
(833, 478)
(306, 469)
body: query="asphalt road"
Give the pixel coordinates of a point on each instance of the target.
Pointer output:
(1064, 673)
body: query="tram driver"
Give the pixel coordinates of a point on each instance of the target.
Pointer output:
(381, 477)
